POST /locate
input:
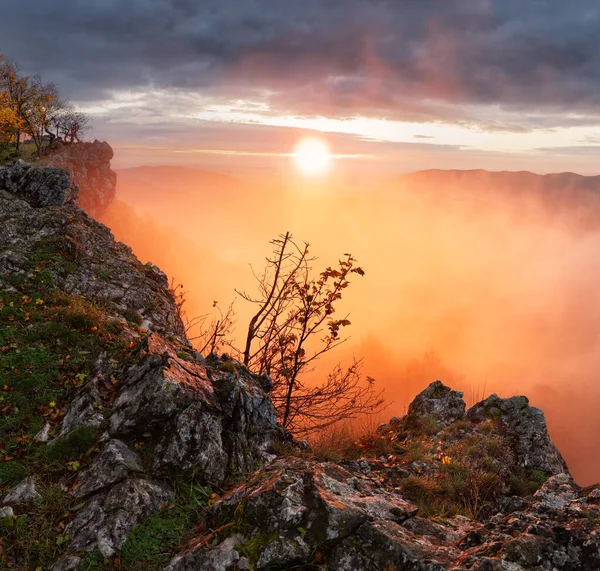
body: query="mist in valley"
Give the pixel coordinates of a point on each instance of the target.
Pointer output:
(487, 281)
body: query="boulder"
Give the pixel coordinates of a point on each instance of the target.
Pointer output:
(217, 422)
(106, 520)
(437, 403)
(24, 492)
(38, 186)
(114, 463)
(527, 426)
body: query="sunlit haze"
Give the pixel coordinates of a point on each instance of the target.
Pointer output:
(232, 124)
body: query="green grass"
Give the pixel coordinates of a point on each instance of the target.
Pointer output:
(161, 535)
(49, 343)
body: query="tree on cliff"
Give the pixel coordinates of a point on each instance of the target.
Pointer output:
(293, 326)
(35, 108)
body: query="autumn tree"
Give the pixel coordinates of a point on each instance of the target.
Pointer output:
(37, 108)
(10, 123)
(293, 326)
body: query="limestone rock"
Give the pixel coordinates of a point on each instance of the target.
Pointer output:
(38, 186)
(437, 402)
(106, 520)
(89, 263)
(114, 463)
(24, 492)
(89, 164)
(527, 426)
(324, 501)
(199, 419)
(5, 512)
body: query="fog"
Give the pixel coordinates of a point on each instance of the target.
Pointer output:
(489, 282)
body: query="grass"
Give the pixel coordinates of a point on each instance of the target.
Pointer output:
(160, 536)
(49, 343)
(33, 540)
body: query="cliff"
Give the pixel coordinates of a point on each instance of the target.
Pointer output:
(122, 447)
(89, 165)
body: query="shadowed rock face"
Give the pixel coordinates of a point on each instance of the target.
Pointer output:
(527, 425)
(89, 164)
(39, 186)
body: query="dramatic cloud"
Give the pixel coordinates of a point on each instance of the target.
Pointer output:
(449, 60)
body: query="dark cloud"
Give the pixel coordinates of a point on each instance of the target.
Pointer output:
(413, 59)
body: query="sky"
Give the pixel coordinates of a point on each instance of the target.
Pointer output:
(396, 84)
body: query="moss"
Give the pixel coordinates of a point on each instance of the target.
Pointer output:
(11, 472)
(72, 445)
(133, 317)
(227, 367)
(253, 548)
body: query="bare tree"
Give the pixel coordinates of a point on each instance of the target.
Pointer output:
(209, 334)
(71, 125)
(294, 326)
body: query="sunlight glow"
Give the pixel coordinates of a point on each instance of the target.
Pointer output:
(312, 156)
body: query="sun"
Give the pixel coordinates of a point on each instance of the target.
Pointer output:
(312, 156)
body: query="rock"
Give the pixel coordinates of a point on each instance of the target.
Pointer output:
(555, 495)
(437, 403)
(106, 520)
(89, 164)
(114, 463)
(23, 493)
(6, 511)
(87, 260)
(387, 545)
(292, 507)
(527, 426)
(44, 434)
(220, 424)
(38, 186)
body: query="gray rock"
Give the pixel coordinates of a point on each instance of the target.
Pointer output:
(6, 511)
(527, 426)
(291, 507)
(223, 557)
(106, 520)
(114, 463)
(387, 545)
(439, 403)
(38, 186)
(220, 424)
(44, 434)
(24, 492)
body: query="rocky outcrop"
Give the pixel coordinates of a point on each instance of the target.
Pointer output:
(38, 186)
(89, 164)
(297, 514)
(438, 403)
(42, 231)
(151, 391)
(527, 426)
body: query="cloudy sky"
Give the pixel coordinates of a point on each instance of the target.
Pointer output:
(498, 84)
